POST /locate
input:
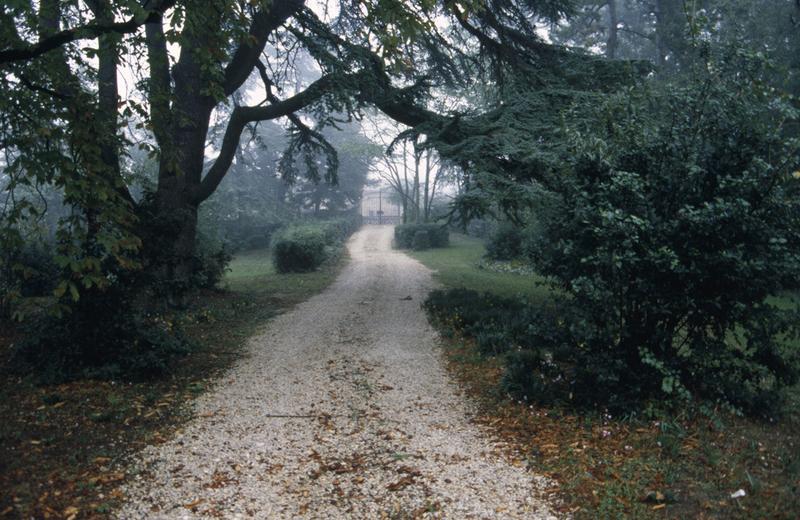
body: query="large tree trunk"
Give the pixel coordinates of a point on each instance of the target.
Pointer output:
(175, 202)
(107, 88)
(659, 36)
(417, 158)
(672, 49)
(180, 114)
(426, 210)
(183, 142)
(612, 44)
(106, 114)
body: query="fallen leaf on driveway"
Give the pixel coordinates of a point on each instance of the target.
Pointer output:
(400, 484)
(192, 505)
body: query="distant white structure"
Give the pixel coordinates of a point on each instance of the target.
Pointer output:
(377, 209)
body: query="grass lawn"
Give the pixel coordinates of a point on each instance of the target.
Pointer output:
(458, 266)
(684, 466)
(253, 272)
(62, 447)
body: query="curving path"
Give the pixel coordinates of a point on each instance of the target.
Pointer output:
(342, 409)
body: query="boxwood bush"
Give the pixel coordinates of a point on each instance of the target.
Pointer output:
(304, 247)
(421, 236)
(299, 249)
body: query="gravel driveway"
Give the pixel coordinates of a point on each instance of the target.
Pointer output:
(341, 409)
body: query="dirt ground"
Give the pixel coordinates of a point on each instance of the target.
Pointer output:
(342, 408)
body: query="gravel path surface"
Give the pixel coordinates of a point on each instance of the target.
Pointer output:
(342, 409)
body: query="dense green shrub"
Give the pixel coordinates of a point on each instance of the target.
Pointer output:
(304, 247)
(97, 328)
(299, 249)
(669, 245)
(550, 356)
(505, 243)
(496, 323)
(437, 235)
(100, 336)
(493, 342)
(531, 374)
(668, 229)
(421, 241)
(209, 263)
(40, 272)
(336, 230)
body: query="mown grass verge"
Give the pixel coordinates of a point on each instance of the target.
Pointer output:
(686, 465)
(459, 265)
(62, 447)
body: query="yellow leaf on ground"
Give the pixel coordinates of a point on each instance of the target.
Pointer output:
(192, 505)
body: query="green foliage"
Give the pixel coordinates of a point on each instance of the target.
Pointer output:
(299, 249)
(548, 361)
(492, 342)
(210, 262)
(510, 327)
(99, 330)
(479, 227)
(32, 270)
(430, 235)
(667, 226)
(304, 247)
(505, 243)
(421, 241)
(337, 230)
(765, 26)
(669, 233)
(498, 324)
(101, 336)
(531, 375)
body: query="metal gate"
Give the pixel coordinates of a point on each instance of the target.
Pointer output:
(376, 208)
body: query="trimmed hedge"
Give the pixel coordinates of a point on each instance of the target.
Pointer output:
(299, 249)
(304, 247)
(421, 236)
(338, 230)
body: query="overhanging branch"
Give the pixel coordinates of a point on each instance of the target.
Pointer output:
(248, 52)
(241, 116)
(84, 32)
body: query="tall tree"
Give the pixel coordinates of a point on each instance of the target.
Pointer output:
(199, 58)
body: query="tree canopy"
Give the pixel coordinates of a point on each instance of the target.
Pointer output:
(66, 122)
